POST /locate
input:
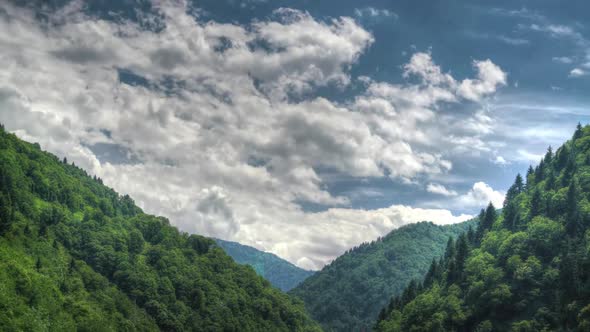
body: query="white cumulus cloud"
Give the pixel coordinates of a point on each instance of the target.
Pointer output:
(439, 189)
(215, 139)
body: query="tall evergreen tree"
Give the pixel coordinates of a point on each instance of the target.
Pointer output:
(572, 217)
(431, 274)
(516, 188)
(409, 293)
(5, 213)
(550, 183)
(562, 155)
(536, 204)
(450, 250)
(530, 177)
(540, 171)
(490, 217)
(579, 132)
(462, 251)
(549, 155)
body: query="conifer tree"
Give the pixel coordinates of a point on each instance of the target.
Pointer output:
(450, 250)
(536, 204)
(549, 155)
(530, 177)
(572, 217)
(579, 132)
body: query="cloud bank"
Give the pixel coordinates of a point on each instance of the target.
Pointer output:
(217, 127)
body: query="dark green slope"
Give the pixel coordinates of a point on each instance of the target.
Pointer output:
(278, 271)
(525, 269)
(347, 294)
(75, 255)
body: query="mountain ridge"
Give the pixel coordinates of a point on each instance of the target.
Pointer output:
(280, 272)
(347, 294)
(76, 255)
(525, 269)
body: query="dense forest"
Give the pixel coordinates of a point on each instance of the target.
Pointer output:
(75, 255)
(281, 274)
(348, 294)
(524, 269)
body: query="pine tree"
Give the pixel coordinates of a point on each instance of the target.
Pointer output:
(409, 293)
(470, 235)
(572, 217)
(5, 213)
(568, 172)
(450, 250)
(461, 256)
(431, 274)
(514, 190)
(536, 204)
(549, 155)
(486, 220)
(562, 157)
(540, 171)
(509, 213)
(579, 132)
(550, 183)
(530, 177)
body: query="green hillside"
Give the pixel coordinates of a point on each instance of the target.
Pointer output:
(347, 294)
(525, 269)
(75, 255)
(278, 271)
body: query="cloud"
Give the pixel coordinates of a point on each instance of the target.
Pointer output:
(577, 72)
(490, 76)
(501, 38)
(513, 41)
(372, 12)
(529, 157)
(500, 161)
(563, 59)
(556, 30)
(439, 189)
(480, 195)
(224, 130)
(357, 225)
(518, 13)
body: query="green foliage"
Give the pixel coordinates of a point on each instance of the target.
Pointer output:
(281, 274)
(527, 270)
(348, 294)
(75, 255)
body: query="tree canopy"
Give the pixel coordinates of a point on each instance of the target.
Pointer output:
(529, 267)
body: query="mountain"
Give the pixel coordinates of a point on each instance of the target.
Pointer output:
(525, 269)
(75, 255)
(278, 271)
(347, 294)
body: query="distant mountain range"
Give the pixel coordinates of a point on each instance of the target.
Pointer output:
(278, 271)
(348, 294)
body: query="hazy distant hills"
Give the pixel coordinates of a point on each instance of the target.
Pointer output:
(348, 294)
(278, 271)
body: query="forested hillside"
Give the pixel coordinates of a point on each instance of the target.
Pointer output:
(525, 269)
(75, 255)
(278, 271)
(348, 294)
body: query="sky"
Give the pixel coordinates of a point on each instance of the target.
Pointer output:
(302, 128)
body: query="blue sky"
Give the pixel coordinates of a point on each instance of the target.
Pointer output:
(537, 43)
(298, 127)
